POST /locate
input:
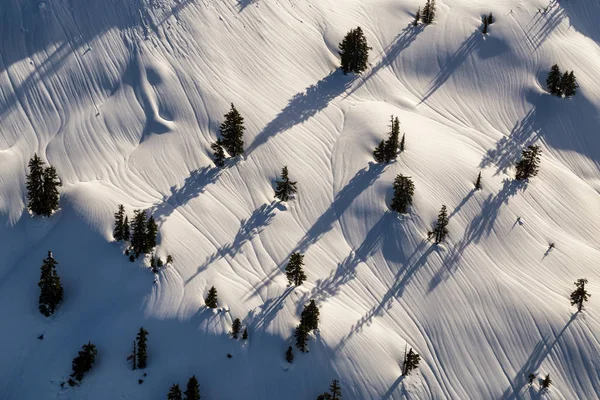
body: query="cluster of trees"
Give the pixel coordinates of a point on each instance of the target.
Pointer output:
(42, 187)
(51, 290)
(387, 150)
(561, 84)
(411, 361)
(293, 270)
(285, 187)
(309, 321)
(83, 363)
(335, 392)
(528, 166)
(428, 13)
(354, 52)
(139, 354)
(487, 21)
(544, 383)
(236, 327)
(192, 391)
(404, 189)
(211, 298)
(142, 233)
(231, 137)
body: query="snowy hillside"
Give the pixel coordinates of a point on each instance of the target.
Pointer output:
(124, 98)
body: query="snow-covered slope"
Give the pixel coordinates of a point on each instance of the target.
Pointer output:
(124, 97)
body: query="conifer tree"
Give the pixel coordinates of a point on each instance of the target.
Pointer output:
(285, 187)
(417, 17)
(235, 328)
(245, 334)
(411, 362)
(119, 231)
(528, 166)
(335, 392)
(392, 144)
(51, 291)
(310, 316)
(35, 185)
(139, 232)
(301, 335)
(142, 348)
(546, 383)
(132, 357)
(126, 233)
(402, 143)
(478, 182)
(429, 12)
(192, 391)
(441, 229)
(530, 379)
(404, 189)
(379, 152)
(293, 270)
(289, 355)
(569, 85)
(490, 19)
(553, 82)
(219, 153)
(354, 52)
(232, 132)
(211, 299)
(580, 294)
(50, 195)
(84, 361)
(151, 233)
(486, 23)
(175, 393)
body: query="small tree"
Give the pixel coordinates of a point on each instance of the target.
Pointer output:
(126, 232)
(289, 355)
(404, 189)
(530, 379)
(379, 152)
(132, 357)
(51, 195)
(335, 392)
(211, 299)
(285, 187)
(219, 153)
(174, 393)
(429, 12)
(192, 391)
(301, 335)
(142, 348)
(84, 361)
(546, 383)
(579, 295)
(486, 24)
(354, 52)
(293, 270)
(411, 362)
(232, 132)
(569, 84)
(245, 334)
(310, 316)
(528, 166)
(51, 291)
(402, 143)
(139, 232)
(478, 182)
(119, 231)
(417, 17)
(35, 185)
(441, 229)
(392, 144)
(235, 328)
(151, 233)
(490, 19)
(553, 82)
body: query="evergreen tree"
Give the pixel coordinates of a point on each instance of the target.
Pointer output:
(417, 17)
(151, 233)
(546, 383)
(84, 361)
(126, 232)
(119, 231)
(441, 229)
(138, 234)
(402, 143)
(392, 144)
(478, 182)
(211, 299)
(429, 12)
(404, 189)
(570, 85)
(411, 362)
(354, 52)
(132, 357)
(285, 187)
(289, 355)
(579, 295)
(293, 270)
(335, 392)
(563, 83)
(490, 19)
(310, 316)
(245, 334)
(232, 132)
(530, 379)
(553, 82)
(528, 166)
(51, 291)
(192, 391)
(142, 348)
(379, 152)
(174, 393)
(219, 153)
(235, 328)
(35, 185)
(50, 194)
(301, 335)
(486, 24)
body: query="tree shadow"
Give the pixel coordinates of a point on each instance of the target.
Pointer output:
(260, 321)
(392, 389)
(242, 4)
(453, 63)
(303, 106)
(542, 24)
(533, 362)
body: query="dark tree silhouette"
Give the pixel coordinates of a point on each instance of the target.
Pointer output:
(289, 355)
(192, 391)
(441, 229)
(417, 17)
(411, 362)
(478, 182)
(35, 185)
(354, 51)
(379, 152)
(51, 291)
(293, 270)
(285, 187)
(310, 316)
(211, 299)
(84, 361)
(142, 348)
(235, 328)
(546, 383)
(175, 393)
(553, 82)
(219, 153)
(404, 189)
(232, 132)
(528, 166)
(119, 230)
(580, 294)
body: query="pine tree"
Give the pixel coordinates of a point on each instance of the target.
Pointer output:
(138, 235)
(50, 195)
(441, 229)
(211, 299)
(379, 152)
(142, 348)
(285, 187)
(192, 391)
(245, 334)
(553, 82)
(119, 231)
(528, 166)
(126, 233)
(490, 19)
(174, 393)
(301, 335)
(579, 295)
(132, 357)
(570, 86)
(51, 291)
(335, 390)
(219, 153)
(354, 52)
(310, 316)
(478, 182)
(429, 12)
(151, 233)
(486, 23)
(404, 189)
(402, 143)
(546, 383)
(235, 328)
(293, 270)
(411, 362)
(289, 355)
(417, 17)
(232, 132)
(84, 361)
(392, 144)
(35, 185)
(530, 379)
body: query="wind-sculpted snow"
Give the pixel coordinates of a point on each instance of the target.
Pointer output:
(125, 97)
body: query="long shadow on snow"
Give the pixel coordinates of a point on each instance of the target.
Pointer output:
(242, 4)
(260, 321)
(303, 106)
(543, 24)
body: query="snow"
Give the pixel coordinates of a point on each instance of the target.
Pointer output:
(124, 99)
